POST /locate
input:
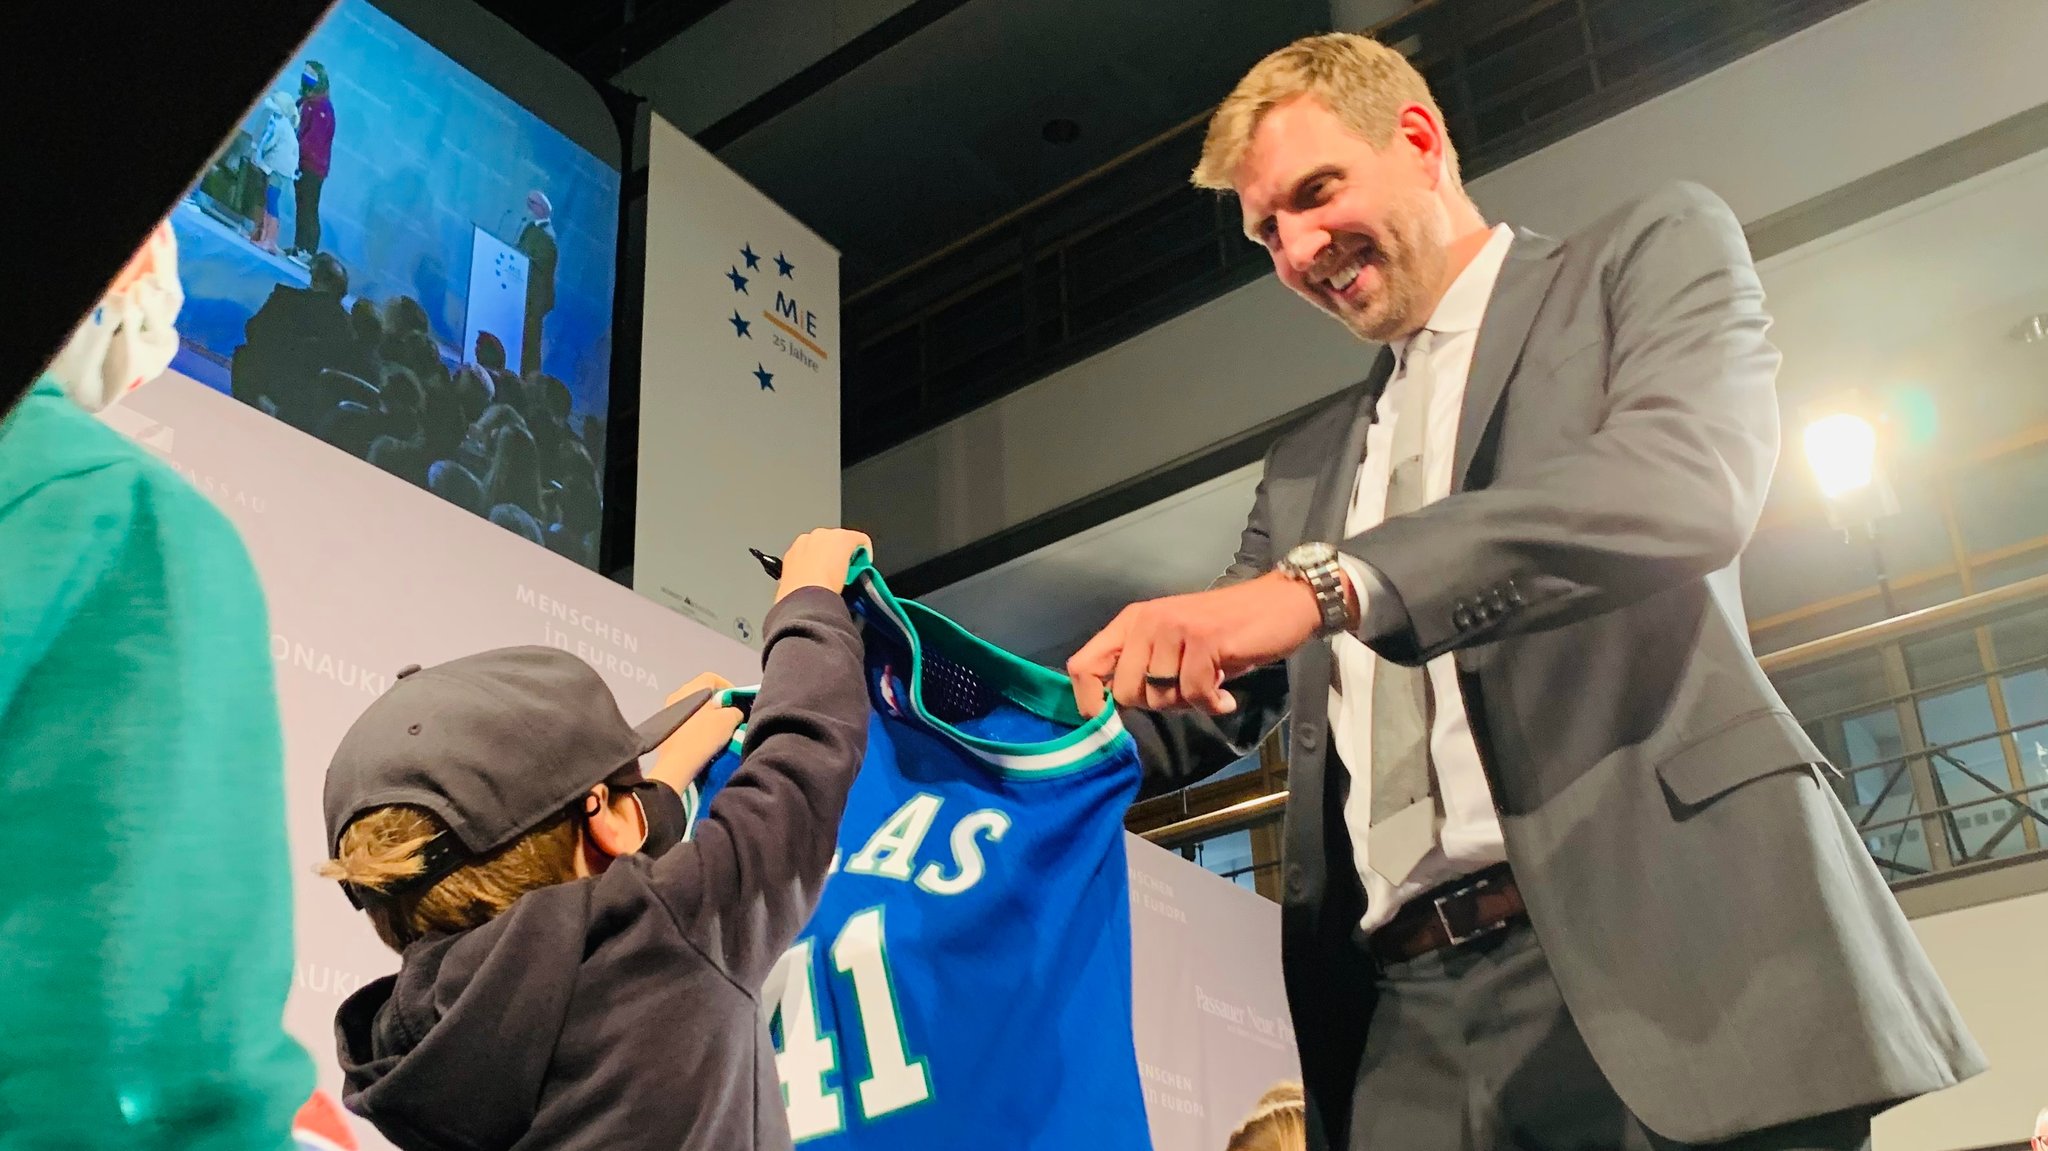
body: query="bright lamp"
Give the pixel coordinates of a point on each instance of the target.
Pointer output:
(1842, 450)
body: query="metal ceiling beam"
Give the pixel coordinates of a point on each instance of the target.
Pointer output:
(645, 28)
(836, 65)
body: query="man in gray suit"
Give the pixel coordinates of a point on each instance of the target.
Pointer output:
(1561, 869)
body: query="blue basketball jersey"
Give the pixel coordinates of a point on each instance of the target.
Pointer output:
(966, 980)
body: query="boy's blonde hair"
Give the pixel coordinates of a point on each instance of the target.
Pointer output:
(382, 850)
(1361, 81)
(1278, 1123)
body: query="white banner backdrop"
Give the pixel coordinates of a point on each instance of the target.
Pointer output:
(365, 574)
(739, 387)
(1209, 1010)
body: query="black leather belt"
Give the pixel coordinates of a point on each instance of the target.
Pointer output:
(1463, 910)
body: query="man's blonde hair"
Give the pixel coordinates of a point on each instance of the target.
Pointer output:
(1278, 1123)
(1361, 81)
(382, 849)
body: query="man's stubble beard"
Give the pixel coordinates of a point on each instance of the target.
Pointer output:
(1414, 244)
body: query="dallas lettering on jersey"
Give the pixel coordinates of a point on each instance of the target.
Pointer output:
(892, 851)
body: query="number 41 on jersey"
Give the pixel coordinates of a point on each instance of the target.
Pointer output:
(809, 1059)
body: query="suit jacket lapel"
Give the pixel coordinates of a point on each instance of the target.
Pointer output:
(1332, 499)
(1524, 281)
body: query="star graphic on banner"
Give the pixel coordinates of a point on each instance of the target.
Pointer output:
(747, 254)
(739, 282)
(739, 326)
(784, 267)
(766, 377)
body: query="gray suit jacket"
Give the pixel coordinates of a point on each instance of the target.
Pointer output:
(1724, 942)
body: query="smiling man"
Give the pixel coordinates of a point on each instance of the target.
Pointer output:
(1561, 869)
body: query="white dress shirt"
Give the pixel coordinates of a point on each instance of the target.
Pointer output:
(1470, 837)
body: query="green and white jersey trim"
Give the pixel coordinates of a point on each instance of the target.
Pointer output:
(1038, 690)
(693, 794)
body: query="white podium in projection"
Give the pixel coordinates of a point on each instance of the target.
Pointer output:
(497, 297)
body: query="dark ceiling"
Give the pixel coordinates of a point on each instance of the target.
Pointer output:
(936, 121)
(601, 37)
(947, 130)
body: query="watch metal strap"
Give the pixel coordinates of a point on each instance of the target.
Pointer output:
(1325, 581)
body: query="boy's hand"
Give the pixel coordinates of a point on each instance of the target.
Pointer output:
(709, 681)
(819, 558)
(684, 755)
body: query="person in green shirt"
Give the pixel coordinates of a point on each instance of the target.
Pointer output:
(145, 909)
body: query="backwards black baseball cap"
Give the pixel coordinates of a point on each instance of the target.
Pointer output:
(495, 744)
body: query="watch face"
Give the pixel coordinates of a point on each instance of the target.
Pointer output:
(1309, 555)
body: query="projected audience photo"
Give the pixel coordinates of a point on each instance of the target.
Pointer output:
(397, 258)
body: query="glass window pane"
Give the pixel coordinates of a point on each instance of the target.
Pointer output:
(1880, 794)
(1228, 855)
(2002, 502)
(2026, 696)
(2026, 701)
(1943, 659)
(1952, 716)
(2021, 638)
(1835, 688)
(1969, 771)
(1977, 831)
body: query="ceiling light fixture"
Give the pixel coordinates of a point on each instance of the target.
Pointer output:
(2032, 330)
(1842, 450)
(1845, 449)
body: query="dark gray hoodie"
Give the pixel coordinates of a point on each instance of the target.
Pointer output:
(622, 1012)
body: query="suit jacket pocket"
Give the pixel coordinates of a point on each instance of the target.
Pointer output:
(1751, 747)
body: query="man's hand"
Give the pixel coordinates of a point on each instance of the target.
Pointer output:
(684, 755)
(1176, 652)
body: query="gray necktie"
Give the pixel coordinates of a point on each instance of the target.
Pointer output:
(1404, 807)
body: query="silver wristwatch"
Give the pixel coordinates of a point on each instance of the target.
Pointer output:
(1315, 564)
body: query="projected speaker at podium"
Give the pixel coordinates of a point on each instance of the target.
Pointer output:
(423, 249)
(497, 298)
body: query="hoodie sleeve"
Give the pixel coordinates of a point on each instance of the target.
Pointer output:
(136, 697)
(745, 884)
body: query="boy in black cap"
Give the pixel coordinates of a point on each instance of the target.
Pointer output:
(562, 987)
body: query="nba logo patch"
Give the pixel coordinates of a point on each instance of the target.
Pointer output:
(321, 1125)
(887, 690)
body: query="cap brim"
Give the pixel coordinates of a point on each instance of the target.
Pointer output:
(664, 723)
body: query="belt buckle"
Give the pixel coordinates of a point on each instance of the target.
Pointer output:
(1477, 931)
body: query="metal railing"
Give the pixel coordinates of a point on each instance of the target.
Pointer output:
(1933, 817)
(1131, 244)
(1238, 816)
